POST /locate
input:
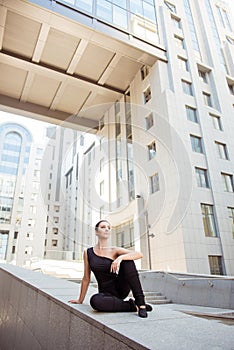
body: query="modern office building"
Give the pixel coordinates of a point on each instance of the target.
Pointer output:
(154, 80)
(22, 209)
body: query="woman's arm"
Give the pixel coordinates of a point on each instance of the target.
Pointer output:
(84, 283)
(124, 254)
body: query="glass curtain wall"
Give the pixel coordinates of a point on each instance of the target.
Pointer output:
(137, 17)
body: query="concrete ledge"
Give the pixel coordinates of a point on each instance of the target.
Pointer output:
(35, 315)
(190, 289)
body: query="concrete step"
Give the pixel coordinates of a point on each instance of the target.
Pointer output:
(158, 302)
(156, 298)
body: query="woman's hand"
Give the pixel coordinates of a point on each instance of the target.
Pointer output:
(116, 265)
(75, 301)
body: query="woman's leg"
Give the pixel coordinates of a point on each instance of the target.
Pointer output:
(128, 279)
(110, 303)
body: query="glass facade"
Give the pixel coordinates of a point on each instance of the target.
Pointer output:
(15, 144)
(137, 17)
(216, 36)
(192, 29)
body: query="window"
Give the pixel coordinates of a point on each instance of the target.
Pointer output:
(29, 236)
(85, 5)
(36, 173)
(31, 222)
(223, 18)
(101, 164)
(54, 242)
(154, 183)
(171, 7)
(16, 234)
(34, 196)
(152, 150)
(179, 42)
(207, 99)
(227, 182)
(208, 220)
(216, 120)
(187, 87)
(202, 177)
(230, 40)
(191, 114)
(176, 22)
(147, 95)
(36, 185)
(221, 150)
(28, 250)
(56, 219)
(216, 267)
(39, 152)
(202, 76)
(183, 63)
(101, 212)
(56, 208)
(13, 249)
(149, 121)
(55, 230)
(144, 72)
(231, 219)
(231, 89)
(101, 188)
(32, 209)
(196, 143)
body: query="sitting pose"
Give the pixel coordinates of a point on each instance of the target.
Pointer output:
(116, 275)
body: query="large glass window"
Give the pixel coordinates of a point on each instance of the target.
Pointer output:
(192, 29)
(85, 5)
(216, 36)
(208, 218)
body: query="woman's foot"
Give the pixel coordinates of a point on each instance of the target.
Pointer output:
(142, 311)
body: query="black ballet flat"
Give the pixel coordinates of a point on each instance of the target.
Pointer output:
(148, 307)
(142, 312)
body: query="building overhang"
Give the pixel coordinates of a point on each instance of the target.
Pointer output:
(56, 62)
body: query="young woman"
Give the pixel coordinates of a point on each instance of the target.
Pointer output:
(116, 275)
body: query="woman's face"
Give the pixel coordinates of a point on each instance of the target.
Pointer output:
(103, 229)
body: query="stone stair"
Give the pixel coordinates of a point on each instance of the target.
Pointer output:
(156, 298)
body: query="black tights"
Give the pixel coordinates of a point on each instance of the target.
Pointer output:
(112, 293)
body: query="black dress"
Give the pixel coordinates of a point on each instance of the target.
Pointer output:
(114, 288)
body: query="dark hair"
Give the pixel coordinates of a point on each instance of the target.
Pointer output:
(98, 223)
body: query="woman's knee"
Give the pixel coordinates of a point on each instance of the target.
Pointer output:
(96, 301)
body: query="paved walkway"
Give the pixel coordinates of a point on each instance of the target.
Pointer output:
(172, 326)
